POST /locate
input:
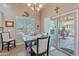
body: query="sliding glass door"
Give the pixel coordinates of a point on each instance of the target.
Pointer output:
(66, 32)
(63, 36)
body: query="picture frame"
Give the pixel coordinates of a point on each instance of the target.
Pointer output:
(9, 23)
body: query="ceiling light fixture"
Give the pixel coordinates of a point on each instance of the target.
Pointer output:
(34, 6)
(68, 17)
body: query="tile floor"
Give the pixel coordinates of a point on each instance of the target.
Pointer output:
(20, 51)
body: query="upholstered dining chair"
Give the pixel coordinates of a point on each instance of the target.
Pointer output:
(42, 46)
(7, 41)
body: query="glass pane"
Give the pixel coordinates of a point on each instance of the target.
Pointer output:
(66, 32)
(24, 24)
(50, 26)
(53, 32)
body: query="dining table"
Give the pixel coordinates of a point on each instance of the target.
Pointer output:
(31, 41)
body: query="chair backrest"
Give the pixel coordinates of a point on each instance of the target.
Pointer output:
(43, 44)
(5, 36)
(44, 34)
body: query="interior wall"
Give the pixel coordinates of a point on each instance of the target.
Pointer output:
(10, 11)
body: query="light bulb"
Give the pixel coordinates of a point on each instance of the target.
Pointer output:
(38, 9)
(40, 6)
(32, 8)
(28, 4)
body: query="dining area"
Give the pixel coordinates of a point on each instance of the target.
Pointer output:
(38, 32)
(37, 45)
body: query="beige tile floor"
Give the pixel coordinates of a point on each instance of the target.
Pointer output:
(20, 51)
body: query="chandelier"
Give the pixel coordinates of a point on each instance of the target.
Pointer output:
(35, 7)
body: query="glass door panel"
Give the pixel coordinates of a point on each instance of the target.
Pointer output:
(53, 32)
(50, 26)
(66, 32)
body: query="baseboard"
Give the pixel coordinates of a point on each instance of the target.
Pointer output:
(20, 43)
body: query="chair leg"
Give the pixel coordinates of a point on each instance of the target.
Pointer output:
(26, 45)
(31, 51)
(8, 46)
(47, 53)
(2, 46)
(14, 43)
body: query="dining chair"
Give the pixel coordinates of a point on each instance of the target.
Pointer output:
(7, 41)
(42, 46)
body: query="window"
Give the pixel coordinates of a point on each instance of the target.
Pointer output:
(26, 25)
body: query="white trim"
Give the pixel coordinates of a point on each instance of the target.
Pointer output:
(77, 34)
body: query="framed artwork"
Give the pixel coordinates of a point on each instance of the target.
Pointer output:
(9, 23)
